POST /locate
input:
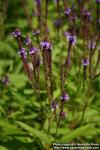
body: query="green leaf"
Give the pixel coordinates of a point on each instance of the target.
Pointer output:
(75, 133)
(36, 133)
(8, 128)
(3, 148)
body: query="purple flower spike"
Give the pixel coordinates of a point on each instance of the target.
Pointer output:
(54, 106)
(85, 62)
(22, 53)
(67, 11)
(33, 50)
(63, 115)
(64, 97)
(97, 1)
(5, 80)
(71, 39)
(16, 33)
(46, 45)
(27, 40)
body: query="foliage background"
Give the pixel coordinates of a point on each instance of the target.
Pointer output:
(22, 123)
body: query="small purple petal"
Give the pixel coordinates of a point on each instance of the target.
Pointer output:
(46, 45)
(37, 32)
(63, 115)
(71, 38)
(33, 50)
(16, 33)
(64, 97)
(85, 62)
(38, 2)
(54, 105)
(97, 1)
(22, 52)
(67, 11)
(27, 40)
(92, 45)
(5, 80)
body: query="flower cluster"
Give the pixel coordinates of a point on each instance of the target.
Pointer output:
(22, 52)
(92, 45)
(38, 2)
(5, 80)
(64, 97)
(85, 62)
(71, 38)
(98, 1)
(37, 32)
(46, 45)
(67, 11)
(33, 50)
(16, 33)
(27, 40)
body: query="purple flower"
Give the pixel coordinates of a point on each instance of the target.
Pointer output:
(27, 40)
(63, 115)
(92, 45)
(22, 52)
(54, 106)
(86, 13)
(85, 62)
(67, 11)
(16, 33)
(46, 45)
(97, 1)
(38, 2)
(71, 39)
(5, 80)
(64, 97)
(37, 32)
(33, 50)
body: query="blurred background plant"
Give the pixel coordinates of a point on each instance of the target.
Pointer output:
(59, 101)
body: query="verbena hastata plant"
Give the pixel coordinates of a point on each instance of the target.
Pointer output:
(78, 31)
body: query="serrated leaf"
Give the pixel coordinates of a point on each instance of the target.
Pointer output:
(35, 132)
